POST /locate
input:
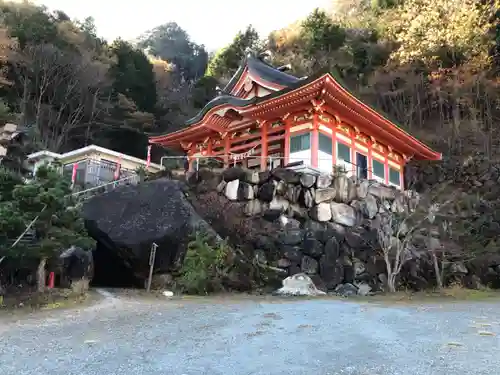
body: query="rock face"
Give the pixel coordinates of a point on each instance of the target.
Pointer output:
(129, 219)
(77, 264)
(474, 179)
(298, 285)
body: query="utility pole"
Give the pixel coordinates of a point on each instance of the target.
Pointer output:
(152, 256)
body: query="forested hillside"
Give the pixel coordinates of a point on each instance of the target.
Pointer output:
(70, 88)
(431, 65)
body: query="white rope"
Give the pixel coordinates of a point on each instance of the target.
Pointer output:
(243, 155)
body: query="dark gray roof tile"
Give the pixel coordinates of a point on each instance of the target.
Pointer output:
(261, 69)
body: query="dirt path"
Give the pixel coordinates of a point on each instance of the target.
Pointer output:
(126, 336)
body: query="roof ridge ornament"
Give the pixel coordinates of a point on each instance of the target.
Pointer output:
(285, 67)
(249, 52)
(265, 55)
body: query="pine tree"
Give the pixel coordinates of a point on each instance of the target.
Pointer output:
(46, 201)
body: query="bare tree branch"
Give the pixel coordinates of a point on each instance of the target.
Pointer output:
(62, 92)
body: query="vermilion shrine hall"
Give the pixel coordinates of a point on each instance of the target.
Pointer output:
(266, 114)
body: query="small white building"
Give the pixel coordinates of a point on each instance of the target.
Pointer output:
(95, 165)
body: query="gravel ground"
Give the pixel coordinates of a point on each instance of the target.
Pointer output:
(124, 336)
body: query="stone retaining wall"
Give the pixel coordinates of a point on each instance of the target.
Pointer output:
(329, 224)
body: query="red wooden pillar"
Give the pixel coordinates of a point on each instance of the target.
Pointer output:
(227, 147)
(287, 141)
(370, 160)
(353, 152)
(264, 147)
(191, 159)
(209, 147)
(334, 145)
(315, 142)
(386, 167)
(402, 176)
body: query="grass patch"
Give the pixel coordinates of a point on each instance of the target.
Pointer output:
(449, 294)
(454, 344)
(486, 333)
(49, 300)
(460, 293)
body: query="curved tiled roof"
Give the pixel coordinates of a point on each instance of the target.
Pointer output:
(240, 102)
(257, 68)
(261, 69)
(221, 99)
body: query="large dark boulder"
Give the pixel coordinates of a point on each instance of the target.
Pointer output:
(77, 264)
(292, 253)
(204, 180)
(312, 247)
(128, 220)
(332, 248)
(233, 173)
(267, 192)
(291, 237)
(315, 229)
(331, 271)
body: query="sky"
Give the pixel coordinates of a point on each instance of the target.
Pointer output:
(212, 23)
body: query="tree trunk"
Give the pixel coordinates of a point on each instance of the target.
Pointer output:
(391, 283)
(2, 293)
(391, 277)
(40, 275)
(80, 286)
(24, 102)
(439, 280)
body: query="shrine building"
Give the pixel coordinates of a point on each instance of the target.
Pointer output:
(265, 117)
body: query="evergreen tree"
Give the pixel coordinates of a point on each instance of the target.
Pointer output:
(47, 204)
(225, 62)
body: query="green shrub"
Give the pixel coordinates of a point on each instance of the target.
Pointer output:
(204, 265)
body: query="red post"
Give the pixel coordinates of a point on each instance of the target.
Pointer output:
(386, 167)
(334, 144)
(402, 176)
(287, 141)
(191, 159)
(52, 278)
(148, 160)
(116, 175)
(354, 161)
(227, 148)
(73, 174)
(264, 147)
(370, 160)
(209, 148)
(315, 142)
